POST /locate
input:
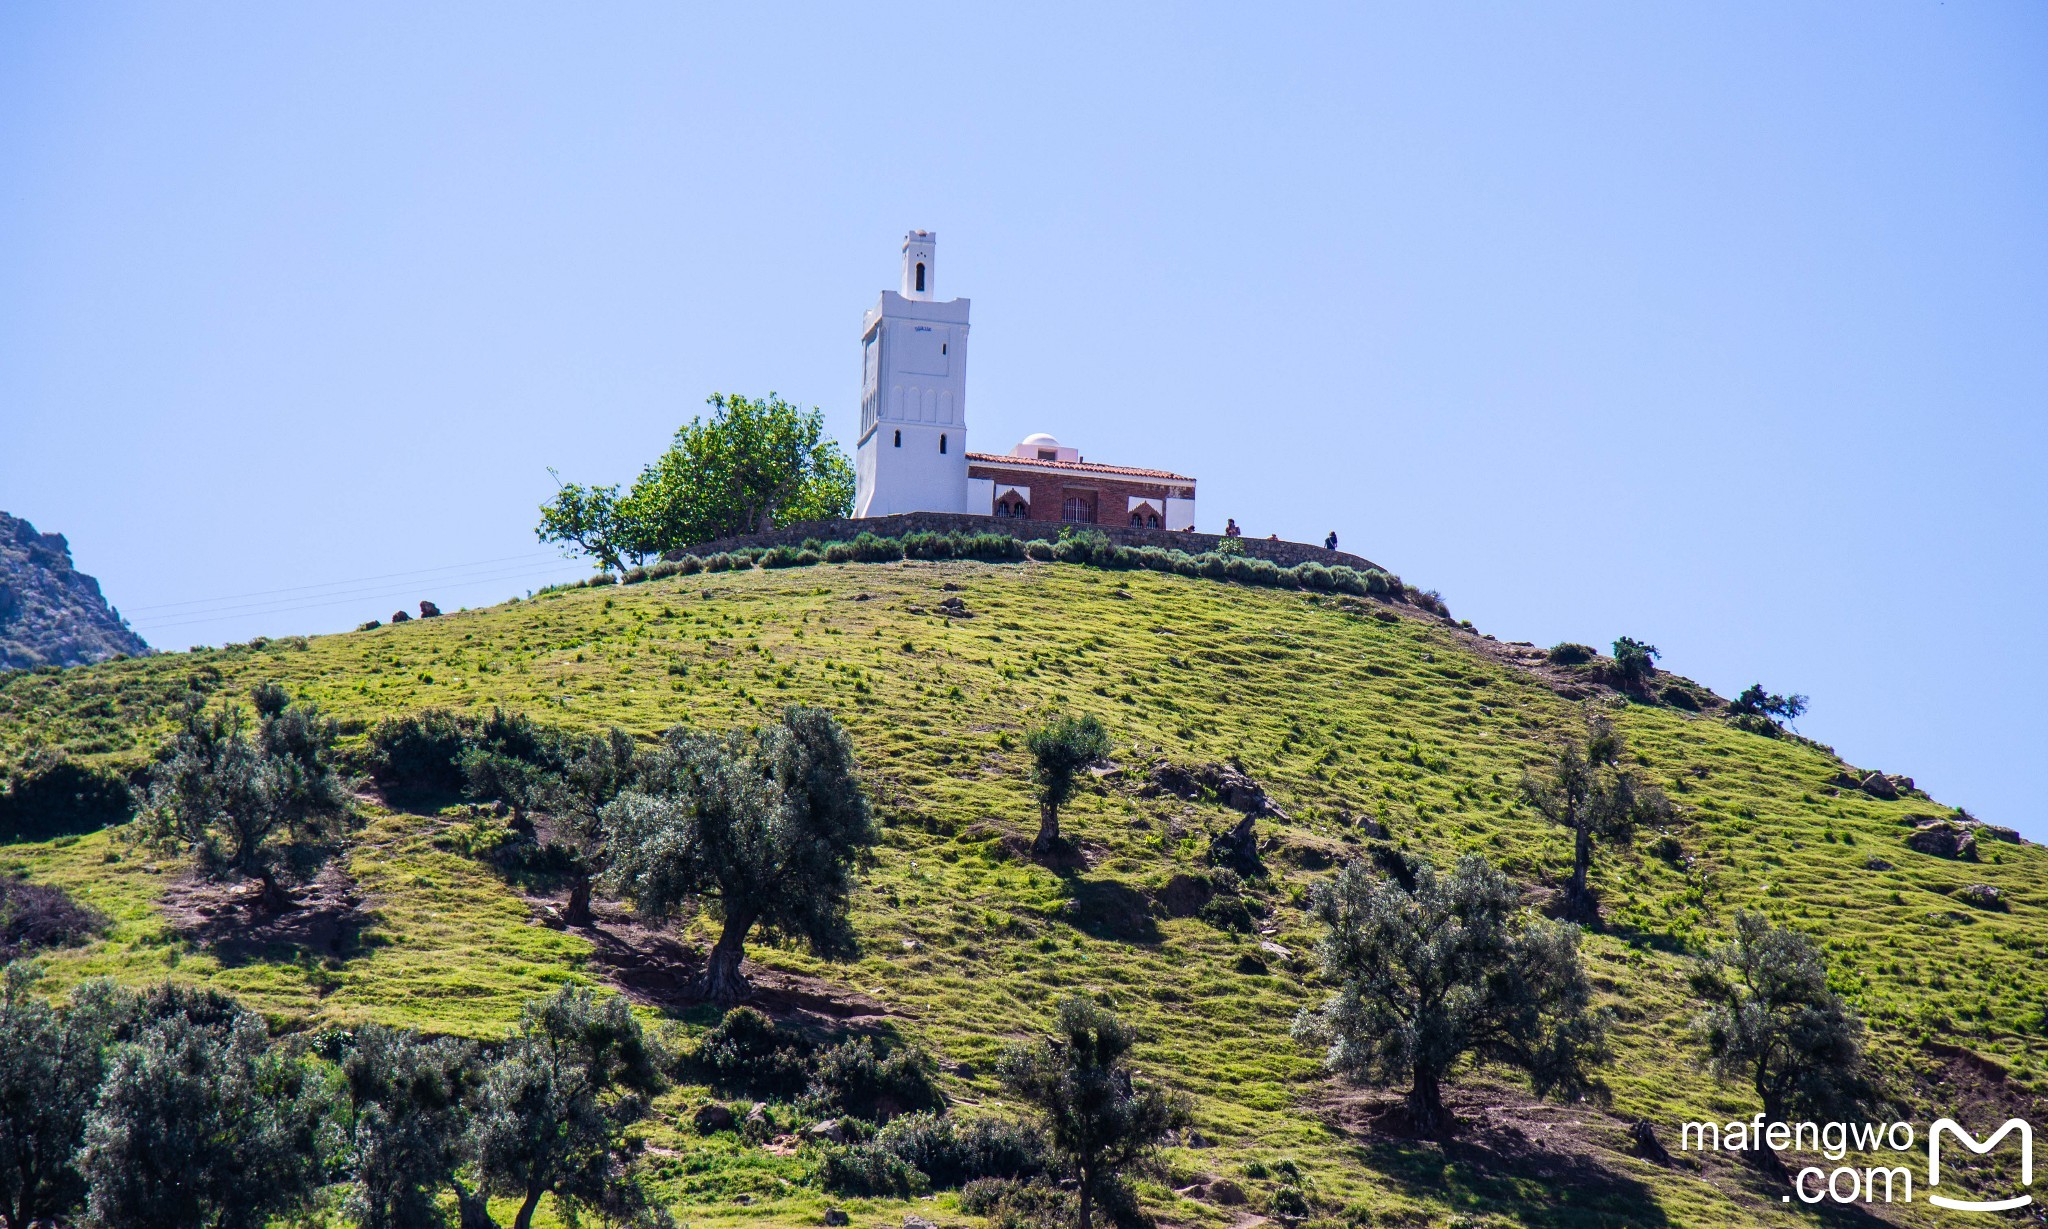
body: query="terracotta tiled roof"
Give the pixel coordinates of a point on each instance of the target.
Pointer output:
(1003, 459)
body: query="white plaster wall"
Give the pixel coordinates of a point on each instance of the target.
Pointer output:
(1180, 513)
(914, 381)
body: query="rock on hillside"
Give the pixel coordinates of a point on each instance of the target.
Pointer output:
(52, 614)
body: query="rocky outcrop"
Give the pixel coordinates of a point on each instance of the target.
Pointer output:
(52, 614)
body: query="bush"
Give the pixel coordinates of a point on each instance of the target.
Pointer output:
(34, 916)
(856, 1079)
(746, 1052)
(1009, 1204)
(786, 557)
(1570, 654)
(418, 753)
(921, 1151)
(869, 1169)
(60, 797)
(602, 578)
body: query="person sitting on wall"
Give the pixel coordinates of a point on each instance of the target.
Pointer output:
(1272, 537)
(1230, 529)
(1330, 543)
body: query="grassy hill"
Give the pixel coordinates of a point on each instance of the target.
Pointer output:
(1349, 711)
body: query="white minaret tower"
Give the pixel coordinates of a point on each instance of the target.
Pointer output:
(912, 455)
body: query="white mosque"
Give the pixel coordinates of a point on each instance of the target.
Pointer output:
(913, 455)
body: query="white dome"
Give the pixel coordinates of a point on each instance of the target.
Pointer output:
(1041, 440)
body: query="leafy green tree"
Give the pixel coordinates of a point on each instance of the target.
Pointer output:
(1427, 974)
(1756, 702)
(1772, 1021)
(200, 1121)
(1589, 793)
(1060, 749)
(51, 1063)
(404, 1118)
(765, 826)
(595, 521)
(754, 464)
(553, 1110)
(1099, 1120)
(236, 801)
(1635, 661)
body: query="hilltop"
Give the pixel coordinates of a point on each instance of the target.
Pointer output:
(1365, 722)
(52, 614)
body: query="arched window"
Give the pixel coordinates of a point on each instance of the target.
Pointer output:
(942, 443)
(920, 277)
(1137, 521)
(899, 439)
(1152, 522)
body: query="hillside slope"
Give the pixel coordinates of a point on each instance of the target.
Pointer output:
(1350, 713)
(52, 614)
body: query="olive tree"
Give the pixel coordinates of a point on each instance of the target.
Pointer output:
(1060, 749)
(552, 1110)
(200, 1120)
(51, 1063)
(236, 798)
(1635, 661)
(1772, 1022)
(1100, 1120)
(403, 1117)
(1428, 973)
(1590, 793)
(762, 826)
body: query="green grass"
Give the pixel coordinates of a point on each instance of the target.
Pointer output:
(1340, 713)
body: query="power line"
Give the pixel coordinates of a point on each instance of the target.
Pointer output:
(366, 593)
(319, 601)
(328, 584)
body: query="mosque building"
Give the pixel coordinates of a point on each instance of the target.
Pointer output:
(913, 456)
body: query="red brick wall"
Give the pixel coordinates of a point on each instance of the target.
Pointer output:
(1049, 490)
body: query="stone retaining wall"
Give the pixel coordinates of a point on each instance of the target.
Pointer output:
(842, 529)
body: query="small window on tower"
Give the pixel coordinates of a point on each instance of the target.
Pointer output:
(920, 277)
(899, 439)
(1047, 454)
(942, 347)
(942, 443)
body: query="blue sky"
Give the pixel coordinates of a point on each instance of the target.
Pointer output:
(1721, 326)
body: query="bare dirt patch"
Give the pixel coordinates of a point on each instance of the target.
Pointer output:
(326, 918)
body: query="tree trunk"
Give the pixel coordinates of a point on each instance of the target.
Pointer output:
(1087, 1193)
(1582, 863)
(723, 982)
(473, 1209)
(1048, 829)
(272, 897)
(578, 912)
(1426, 1104)
(525, 1218)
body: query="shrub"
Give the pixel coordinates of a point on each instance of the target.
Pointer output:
(784, 557)
(633, 576)
(35, 916)
(1634, 661)
(689, 565)
(59, 797)
(418, 753)
(665, 569)
(1009, 1204)
(869, 1169)
(869, 548)
(1567, 653)
(746, 1052)
(602, 578)
(1039, 549)
(856, 1079)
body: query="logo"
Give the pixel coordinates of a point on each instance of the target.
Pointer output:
(1969, 1141)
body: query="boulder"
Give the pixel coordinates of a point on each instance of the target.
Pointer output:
(1877, 785)
(1875, 863)
(1237, 848)
(1982, 896)
(1995, 833)
(371, 626)
(917, 1222)
(758, 1113)
(830, 1129)
(400, 617)
(1228, 784)
(834, 1216)
(1225, 1193)
(964, 1071)
(711, 1118)
(429, 611)
(1943, 839)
